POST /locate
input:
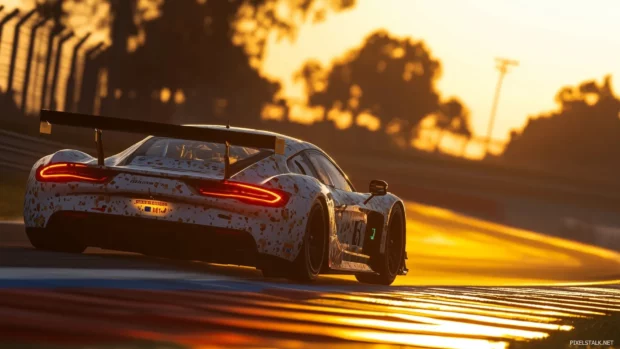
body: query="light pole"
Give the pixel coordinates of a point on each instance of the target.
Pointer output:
(502, 66)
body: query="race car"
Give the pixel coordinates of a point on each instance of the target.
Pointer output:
(218, 194)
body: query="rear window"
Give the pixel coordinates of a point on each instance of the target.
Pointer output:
(180, 149)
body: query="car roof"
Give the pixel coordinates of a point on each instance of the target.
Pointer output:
(293, 145)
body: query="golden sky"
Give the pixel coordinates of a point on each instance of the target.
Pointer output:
(557, 43)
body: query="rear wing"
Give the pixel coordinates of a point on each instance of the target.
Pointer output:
(99, 123)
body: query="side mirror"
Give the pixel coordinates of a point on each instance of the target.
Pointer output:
(377, 188)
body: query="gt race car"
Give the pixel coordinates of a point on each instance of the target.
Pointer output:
(218, 194)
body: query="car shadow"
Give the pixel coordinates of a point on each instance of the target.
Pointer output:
(25, 256)
(225, 270)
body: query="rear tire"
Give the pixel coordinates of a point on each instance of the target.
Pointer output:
(388, 265)
(313, 253)
(53, 240)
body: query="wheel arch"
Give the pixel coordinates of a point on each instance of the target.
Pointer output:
(305, 191)
(329, 217)
(400, 204)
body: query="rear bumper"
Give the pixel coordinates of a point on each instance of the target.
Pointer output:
(277, 231)
(156, 237)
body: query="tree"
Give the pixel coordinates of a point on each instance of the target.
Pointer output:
(255, 20)
(79, 15)
(52, 9)
(204, 51)
(582, 135)
(313, 75)
(200, 56)
(388, 77)
(452, 117)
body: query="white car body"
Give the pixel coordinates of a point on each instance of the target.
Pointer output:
(143, 193)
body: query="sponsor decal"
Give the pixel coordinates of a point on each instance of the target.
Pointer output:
(287, 249)
(151, 207)
(136, 181)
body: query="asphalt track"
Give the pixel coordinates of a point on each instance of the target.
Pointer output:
(472, 284)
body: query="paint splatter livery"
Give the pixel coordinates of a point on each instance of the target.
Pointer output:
(167, 183)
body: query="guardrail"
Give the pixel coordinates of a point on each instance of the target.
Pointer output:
(19, 152)
(405, 174)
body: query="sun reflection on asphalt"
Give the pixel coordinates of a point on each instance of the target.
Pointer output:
(456, 253)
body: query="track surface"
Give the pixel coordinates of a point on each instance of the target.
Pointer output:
(105, 299)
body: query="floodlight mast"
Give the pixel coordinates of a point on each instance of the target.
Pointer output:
(502, 65)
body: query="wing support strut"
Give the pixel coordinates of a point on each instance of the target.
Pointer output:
(227, 161)
(99, 143)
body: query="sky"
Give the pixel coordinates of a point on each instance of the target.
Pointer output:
(557, 43)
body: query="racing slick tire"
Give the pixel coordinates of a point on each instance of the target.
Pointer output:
(388, 265)
(313, 253)
(54, 240)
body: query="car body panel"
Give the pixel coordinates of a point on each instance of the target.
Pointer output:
(277, 231)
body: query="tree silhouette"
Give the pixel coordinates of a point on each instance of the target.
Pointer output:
(195, 60)
(255, 20)
(314, 77)
(452, 117)
(388, 77)
(583, 135)
(75, 14)
(52, 9)
(203, 52)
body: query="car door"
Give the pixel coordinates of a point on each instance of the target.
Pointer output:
(350, 219)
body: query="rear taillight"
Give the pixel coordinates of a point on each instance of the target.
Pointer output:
(71, 172)
(248, 193)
